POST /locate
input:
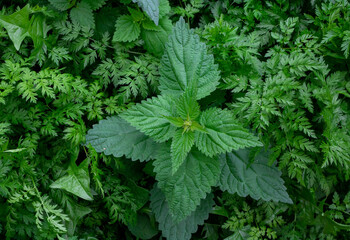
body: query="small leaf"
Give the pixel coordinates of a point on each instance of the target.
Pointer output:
(222, 133)
(82, 15)
(127, 30)
(189, 184)
(151, 7)
(259, 180)
(115, 136)
(147, 117)
(173, 230)
(180, 147)
(77, 181)
(187, 106)
(186, 62)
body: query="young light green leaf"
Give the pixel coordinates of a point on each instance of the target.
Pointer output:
(151, 7)
(185, 60)
(147, 117)
(257, 179)
(77, 181)
(95, 4)
(187, 106)
(189, 184)
(183, 230)
(127, 30)
(82, 15)
(115, 136)
(155, 38)
(180, 147)
(222, 133)
(17, 25)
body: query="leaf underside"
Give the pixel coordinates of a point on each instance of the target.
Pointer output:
(151, 7)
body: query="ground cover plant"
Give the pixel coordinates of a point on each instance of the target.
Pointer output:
(158, 119)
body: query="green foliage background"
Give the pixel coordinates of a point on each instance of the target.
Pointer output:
(284, 76)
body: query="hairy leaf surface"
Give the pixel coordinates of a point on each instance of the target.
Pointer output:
(189, 184)
(258, 179)
(171, 229)
(222, 133)
(115, 136)
(180, 146)
(127, 29)
(186, 60)
(147, 117)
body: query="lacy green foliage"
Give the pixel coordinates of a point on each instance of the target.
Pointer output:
(191, 97)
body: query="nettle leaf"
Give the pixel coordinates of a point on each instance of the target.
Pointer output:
(222, 133)
(127, 30)
(257, 179)
(183, 230)
(147, 117)
(185, 61)
(17, 25)
(186, 104)
(77, 181)
(156, 37)
(95, 4)
(190, 184)
(62, 5)
(151, 7)
(82, 15)
(181, 145)
(116, 136)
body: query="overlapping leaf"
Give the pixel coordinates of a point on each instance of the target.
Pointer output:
(185, 60)
(222, 133)
(180, 146)
(77, 181)
(171, 229)
(258, 179)
(148, 117)
(115, 136)
(190, 184)
(151, 7)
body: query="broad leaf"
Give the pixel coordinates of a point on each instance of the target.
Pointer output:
(156, 37)
(222, 133)
(148, 117)
(77, 181)
(115, 136)
(17, 25)
(185, 60)
(257, 179)
(189, 184)
(82, 15)
(151, 7)
(183, 230)
(127, 29)
(181, 145)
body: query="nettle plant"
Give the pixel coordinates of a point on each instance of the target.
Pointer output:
(192, 149)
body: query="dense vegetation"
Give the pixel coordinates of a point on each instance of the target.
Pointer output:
(193, 119)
